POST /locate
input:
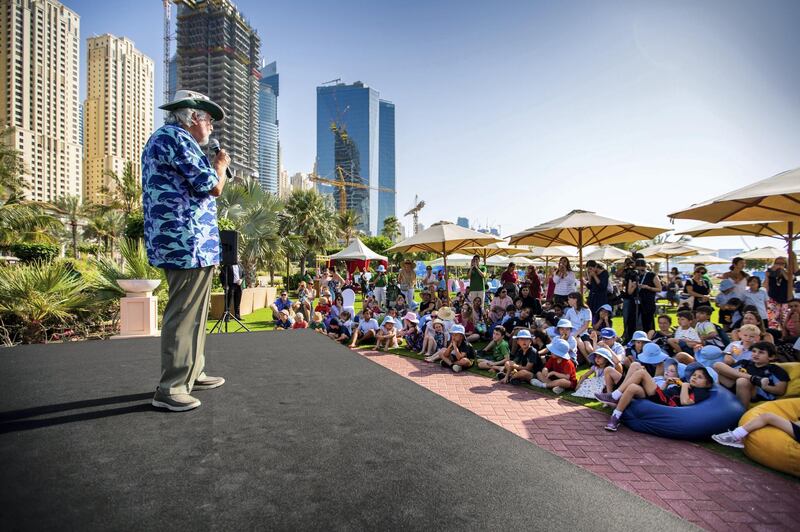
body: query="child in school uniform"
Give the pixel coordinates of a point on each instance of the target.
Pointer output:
(685, 337)
(559, 371)
(635, 347)
(494, 356)
(740, 349)
(459, 354)
(594, 380)
(526, 364)
(338, 332)
(757, 379)
(386, 336)
(435, 341)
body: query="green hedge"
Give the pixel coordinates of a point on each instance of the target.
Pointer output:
(27, 252)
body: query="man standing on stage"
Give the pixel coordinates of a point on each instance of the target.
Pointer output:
(179, 187)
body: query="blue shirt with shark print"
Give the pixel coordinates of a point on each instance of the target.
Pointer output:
(180, 215)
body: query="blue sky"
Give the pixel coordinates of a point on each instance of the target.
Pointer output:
(632, 109)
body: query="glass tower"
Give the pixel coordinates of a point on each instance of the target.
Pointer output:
(386, 199)
(268, 128)
(349, 144)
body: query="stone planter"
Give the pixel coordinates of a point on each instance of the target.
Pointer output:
(138, 309)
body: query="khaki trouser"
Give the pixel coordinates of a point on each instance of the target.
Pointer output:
(183, 331)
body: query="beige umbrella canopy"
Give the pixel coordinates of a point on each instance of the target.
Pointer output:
(607, 254)
(774, 198)
(668, 250)
(498, 248)
(704, 259)
(767, 253)
(581, 229)
(444, 238)
(775, 229)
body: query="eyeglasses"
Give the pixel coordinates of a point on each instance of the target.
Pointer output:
(207, 118)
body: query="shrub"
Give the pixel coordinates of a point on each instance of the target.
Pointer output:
(134, 226)
(29, 253)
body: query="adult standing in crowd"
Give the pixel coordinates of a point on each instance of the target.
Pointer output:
(598, 285)
(779, 290)
(737, 274)
(179, 190)
(630, 298)
(430, 281)
(564, 279)
(477, 279)
(649, 286)
(698, 288)
(380, 285)
(406, 280)
(509, 279)
(534, 281)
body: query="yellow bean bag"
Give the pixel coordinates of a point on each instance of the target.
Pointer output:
(793, 369)
(771, 446)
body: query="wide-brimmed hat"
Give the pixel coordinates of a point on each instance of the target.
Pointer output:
(652, 354)
(608, 332)
(523, 333)
(381, 268)
(410, 316)
(606, 307)
(640, 336)
(726, 284)
(670, 362)
(185, 99)
(694, 366)
(446, 313)
(564, 323)
(387, 319)
(559, 347)
(603, 352)
(708, 355)
(457, 329)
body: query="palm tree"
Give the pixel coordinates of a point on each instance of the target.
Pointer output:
(70, 207)
(105, 225)
(258, 217)
(391, 227)
(12, 168)
(126, 191)
(346, 224)
(312, 220)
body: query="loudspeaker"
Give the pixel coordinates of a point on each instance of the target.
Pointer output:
(229, 247)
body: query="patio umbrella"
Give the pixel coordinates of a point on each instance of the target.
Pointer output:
(444, 238)
(668, 250)
(581, 229)
(498, 260)
(498, 248)
(774, 198)
(704, 259)
(548, 253)
(767, 253)
(607, 255)
(454, 259)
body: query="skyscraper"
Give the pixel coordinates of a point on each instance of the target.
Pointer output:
(462, 222)
(349, 139)
(39, 54)
(268, 128)
(386, 166)
(218, 55)
(119, 106)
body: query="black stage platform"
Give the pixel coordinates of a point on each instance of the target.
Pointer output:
(304, 435)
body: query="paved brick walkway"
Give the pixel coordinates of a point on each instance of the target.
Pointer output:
(708, 489)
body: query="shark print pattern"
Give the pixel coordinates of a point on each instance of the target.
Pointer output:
(180, 215)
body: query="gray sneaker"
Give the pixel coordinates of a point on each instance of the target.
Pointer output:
(207, 383)
(728, 439)
(558, 390)
(175, 403)
(456, 368)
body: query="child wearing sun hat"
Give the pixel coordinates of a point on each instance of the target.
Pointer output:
(594, 380)
(386, 335)
(559, 371)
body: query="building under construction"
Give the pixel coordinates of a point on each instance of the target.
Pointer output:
(218, 55)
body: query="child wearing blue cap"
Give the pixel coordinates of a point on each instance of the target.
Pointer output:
(559, 371)
(386, 335)
(526, 364)
(638, 384)
(594, 380)
(608, 339)
(603, 317)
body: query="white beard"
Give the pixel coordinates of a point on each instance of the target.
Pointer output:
(204, 142)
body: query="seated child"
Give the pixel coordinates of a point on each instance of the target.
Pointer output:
(729, 313)
(324, 307)
(283, 322)
(366, 330)
(705, 329)
(756, 379)
(460, 353)
(735, 437)
(740, 349)
(564, 330)
(299, 321)
(638, 384)
(635, 347)
(559, 370)
(661, 336)
(386, 336)
(685, 337)
(346, 321)
(317, 323)
(608, 339)
(494, 355)
(410, 332)
(671, 376)
(526, 364)
(603, 318)
(726, 293)
(338, 332)
(434, 342)
(511, 313)
(594, 381)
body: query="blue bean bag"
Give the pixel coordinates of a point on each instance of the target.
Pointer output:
(720, 412)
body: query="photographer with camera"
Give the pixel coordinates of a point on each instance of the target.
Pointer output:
(630, 298)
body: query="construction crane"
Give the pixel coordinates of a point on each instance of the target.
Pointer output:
(343, 185)
(414, 212)
(168, 37)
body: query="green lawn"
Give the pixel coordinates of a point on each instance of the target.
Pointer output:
(261, 320)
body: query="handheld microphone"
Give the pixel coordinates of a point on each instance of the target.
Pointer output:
(215, 147)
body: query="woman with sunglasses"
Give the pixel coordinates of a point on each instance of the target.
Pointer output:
(564, 280)
(779, 290)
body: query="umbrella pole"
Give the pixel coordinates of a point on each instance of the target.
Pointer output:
(580, 258)
(790, 255)
(446, 279)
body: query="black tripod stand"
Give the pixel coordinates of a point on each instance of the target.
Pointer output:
(226, 316)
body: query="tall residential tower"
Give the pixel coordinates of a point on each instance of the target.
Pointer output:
(268, 128)
(355, 139)
(218, 55)
(39, 54)
(118, 110)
